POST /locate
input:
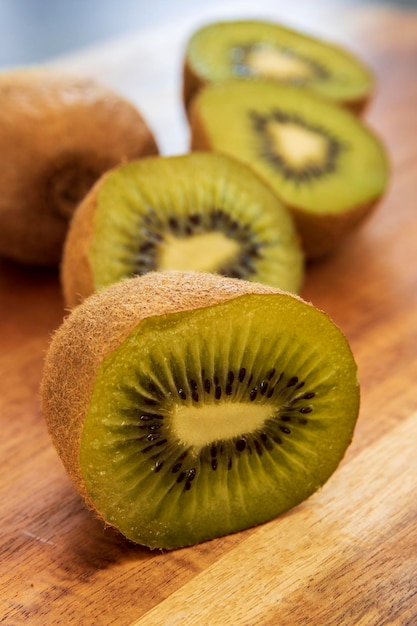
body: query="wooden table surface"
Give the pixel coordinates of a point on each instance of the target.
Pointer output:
(347, 556)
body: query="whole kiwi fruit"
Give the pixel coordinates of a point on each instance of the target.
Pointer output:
(58, 133)
(206, 212)
(186, 406)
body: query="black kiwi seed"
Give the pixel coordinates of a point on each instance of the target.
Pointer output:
(308, 395)
(153, 436)
(173, 223)
(263, 387)
(147, 417)
(195, 219)
(181, 477)
(151, 402)
(292, 381)
(147, 246)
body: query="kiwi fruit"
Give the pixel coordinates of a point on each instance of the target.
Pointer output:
(58, 133)
(203, 212)
(255, 49)
(327, 166)
(186, 405)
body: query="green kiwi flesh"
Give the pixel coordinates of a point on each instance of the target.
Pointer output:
(324, 163)
(205, 422)
(201, 212)
(253, 49)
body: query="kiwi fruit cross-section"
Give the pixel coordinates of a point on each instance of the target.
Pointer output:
(202, 212)
(325, 164)
(58, 133)
(254, 49)
(186, 406)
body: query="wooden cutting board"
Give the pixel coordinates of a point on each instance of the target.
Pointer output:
(346, 556)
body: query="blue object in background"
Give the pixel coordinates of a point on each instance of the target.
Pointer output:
(33, 31)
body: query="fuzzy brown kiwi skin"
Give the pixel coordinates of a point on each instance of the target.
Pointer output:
(58, 133)
(98, 325)
(320, 234)
(77, 280)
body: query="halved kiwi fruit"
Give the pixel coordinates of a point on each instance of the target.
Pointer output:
(205, 212)
(186, 406)
(253, 49)
(58, 133)
(327, 166)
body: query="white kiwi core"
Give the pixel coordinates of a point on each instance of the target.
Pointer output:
(271, 62)
(300, 146)
(194, 425)
(202, 252)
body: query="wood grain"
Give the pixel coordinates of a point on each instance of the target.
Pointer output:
(322, 556)
(347, 556)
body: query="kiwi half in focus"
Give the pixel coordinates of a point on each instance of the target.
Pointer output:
(58, 134)
(253, 49)
(186, 406)
(324, 163)
(202, 212)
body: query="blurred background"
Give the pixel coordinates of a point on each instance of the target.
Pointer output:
(34, 31)
(137, 46)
